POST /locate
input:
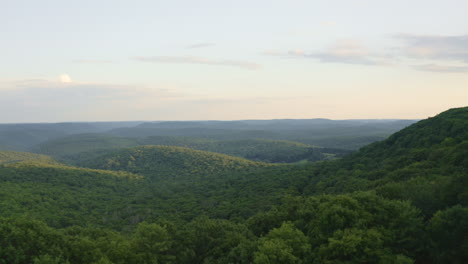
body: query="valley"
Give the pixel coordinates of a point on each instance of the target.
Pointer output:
(253, 191)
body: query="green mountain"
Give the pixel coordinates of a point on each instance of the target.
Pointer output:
(169, 161)
(72, 149)
(40, 188)
(401, 200)
(13, 157)
(425, 163)
(21, 137)
(414, 210)
(340, 134)
(264, 150)
(82, 146)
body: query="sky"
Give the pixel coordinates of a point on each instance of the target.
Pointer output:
(110, 60)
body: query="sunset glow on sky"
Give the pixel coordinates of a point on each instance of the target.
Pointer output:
(201, 60)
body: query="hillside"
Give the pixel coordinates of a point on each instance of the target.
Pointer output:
(425, 163)
(74, 148)
(421, 172)
(264, 150)
(169, 161)
(7, 157)
(340, 134)
(82, 146)
(401, 200)
(61, 195)
(21, 137)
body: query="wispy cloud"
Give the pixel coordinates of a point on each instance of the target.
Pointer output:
(435, 47)
(199, 60)
(200, 45)
(444, 51)
(428, 53)
(344, 51)
(441, 68)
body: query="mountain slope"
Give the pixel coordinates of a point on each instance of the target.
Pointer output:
(82, 146)
(21, 137)
(170, 161)
(425, 163)
(72, 149)
(264, 150)
(7, 157)
(341, 134)
(402, 200)
(61, 195)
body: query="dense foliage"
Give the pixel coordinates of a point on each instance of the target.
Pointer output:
(75, 148)
(275, 151)
(14, 156)
(402, 200)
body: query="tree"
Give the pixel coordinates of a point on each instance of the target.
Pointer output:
(283, 245)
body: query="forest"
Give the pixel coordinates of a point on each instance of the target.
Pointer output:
(253, 191)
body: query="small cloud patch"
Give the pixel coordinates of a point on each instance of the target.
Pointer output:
(65, 78)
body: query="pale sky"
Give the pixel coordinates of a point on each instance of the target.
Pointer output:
(106, 60)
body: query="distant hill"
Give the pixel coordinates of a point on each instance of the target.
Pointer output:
(170, 161)
(60, 195)
(426, 163)
(264, 150)
(7, 157)
(75, 148)
(21, 137)
(400, 200)
(340, 134)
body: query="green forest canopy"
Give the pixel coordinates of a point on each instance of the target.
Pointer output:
(401, 200)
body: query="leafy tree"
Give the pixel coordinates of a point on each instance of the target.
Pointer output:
(285, 244)
(152, 244)
(448, 230)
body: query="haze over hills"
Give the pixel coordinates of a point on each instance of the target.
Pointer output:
(74, 148)
(280, 141)
(21, 137)
(344, 134)
(401, 200)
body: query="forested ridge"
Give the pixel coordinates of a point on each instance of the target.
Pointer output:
(400, 200)
(75, 148)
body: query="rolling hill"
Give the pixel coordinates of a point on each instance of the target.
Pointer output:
(401, 200)
(169, 161)
(72, 149)
(7, 157)
(36, 186)
(22, 137)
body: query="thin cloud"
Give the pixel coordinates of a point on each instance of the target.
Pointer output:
(453, 48)
(345, 51)
(200, 45)
(65, 78)
(48, 99)
(441, 51)
(441, 68)
(199, 60)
